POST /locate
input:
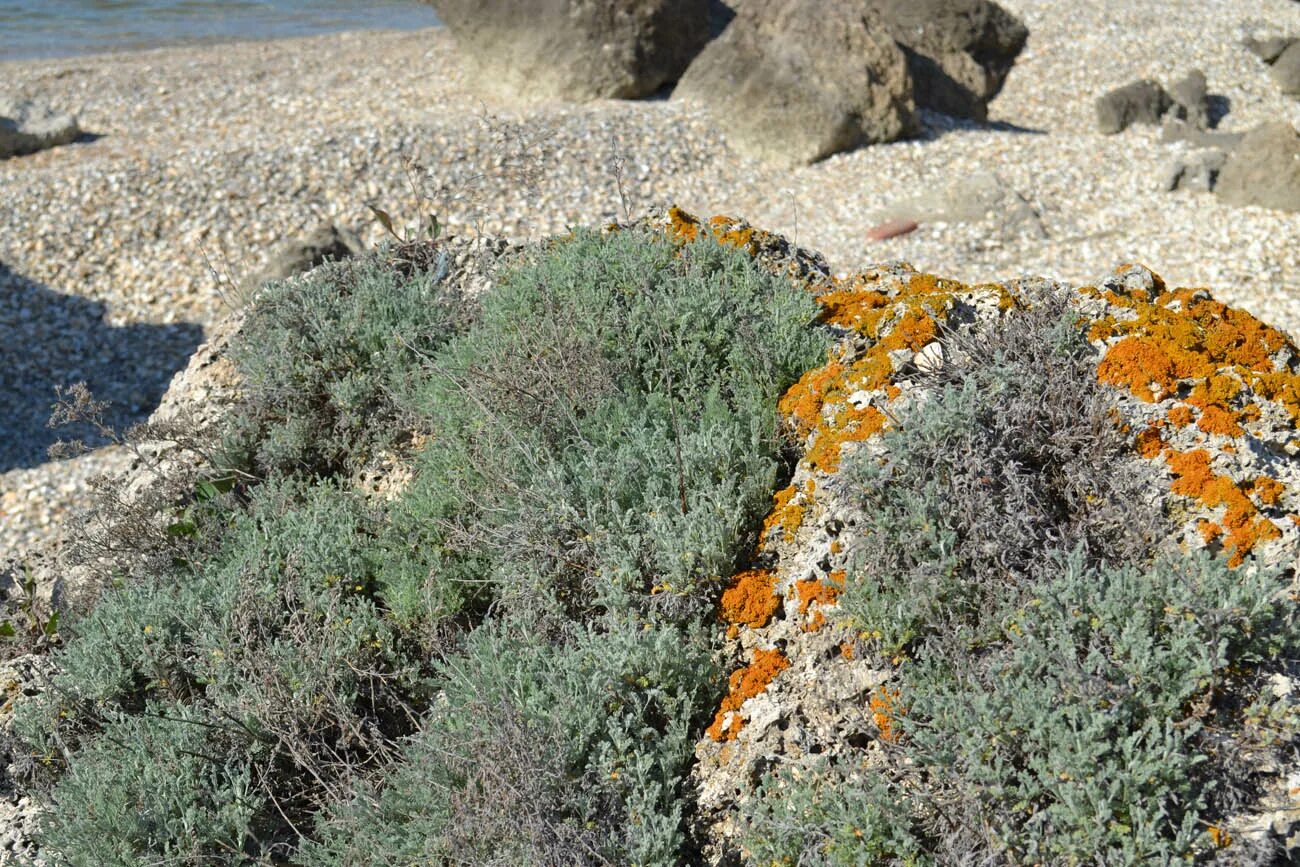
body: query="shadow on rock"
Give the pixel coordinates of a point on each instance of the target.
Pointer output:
(49, 339)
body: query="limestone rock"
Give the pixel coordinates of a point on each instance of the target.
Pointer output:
(794, 82)
(959, 52)
(1198, 171)
(29, 126)
(1268, 48)
(1286, 69)
(575, 49)
(1264, 169)
(1191, 99)
(1143, 101)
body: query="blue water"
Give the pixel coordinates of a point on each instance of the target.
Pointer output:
(53, 28)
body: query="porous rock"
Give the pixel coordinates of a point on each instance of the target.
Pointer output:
(575, 49)
(793, 82)
(1264, 169)
(822, 694)
(28, 126)
(1142, 101)
(959, 52)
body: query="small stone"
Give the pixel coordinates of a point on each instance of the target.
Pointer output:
(891, 229)
(30, 126)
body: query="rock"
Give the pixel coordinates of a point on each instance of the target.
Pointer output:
(1143, 101)
(1191, 98)
(1173, 131)
(794, 82)
(1269, 48)
(1197, 172)
(575, 49)
(959, 52)
(29, 126)
(1286, 70)
(325, 243)
(980, 197)
(1264, 169)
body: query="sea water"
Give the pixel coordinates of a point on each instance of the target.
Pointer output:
(53, 28)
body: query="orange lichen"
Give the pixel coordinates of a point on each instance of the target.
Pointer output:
(744, 684)
(1141, 365)
(1181, 416)
(1149, 443)
(802, 402)
(749, 599)
(1219, 837)
(1268, 490)
(786, 514)
(1242, 525)
(1215, 420)
(823, 593)
(846, 650)
(850, 425)
(885, 709)
(682, 226)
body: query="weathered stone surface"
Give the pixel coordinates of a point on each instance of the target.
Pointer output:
(1191, 97)
(980, 197)
(1143, 101)
(1286, 69)
(794, 82)
(1269, 48)
(959, 52)
(1264, 169)
(29, 126)
(1197, 171)
(329, 242)
(575, 49)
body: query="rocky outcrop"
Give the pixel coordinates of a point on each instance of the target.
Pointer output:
(1264, 169)
(1143, 101)
(575, 49)
(794, 82)
(1212, 426)
(28, 126)
(959, 52)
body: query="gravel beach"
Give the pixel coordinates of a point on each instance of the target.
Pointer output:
(122, 249)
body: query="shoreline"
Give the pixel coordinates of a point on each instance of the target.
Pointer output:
(207, 157)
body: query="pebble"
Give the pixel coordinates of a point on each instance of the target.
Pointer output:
(204, 158)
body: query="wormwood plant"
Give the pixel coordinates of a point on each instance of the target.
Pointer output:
(320, 360)
(1066, 695)
(507, 665)
(606, 444)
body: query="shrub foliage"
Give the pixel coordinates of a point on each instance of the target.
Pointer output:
(510, 662)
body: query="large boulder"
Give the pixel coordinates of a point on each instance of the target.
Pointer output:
(28, 126)
(1264, 169)
(958, 51)
(794, 82)
(575, 49)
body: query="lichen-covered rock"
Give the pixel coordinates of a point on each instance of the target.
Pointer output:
(1143, 101)
(28, 126)
(959, 52)
(793, 82)
(1264, 169)
(575, 49)
(1207, 396)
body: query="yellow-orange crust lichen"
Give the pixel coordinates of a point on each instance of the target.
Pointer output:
(1242, 527)
(750, 599)
(744, 684)
(885, 709)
